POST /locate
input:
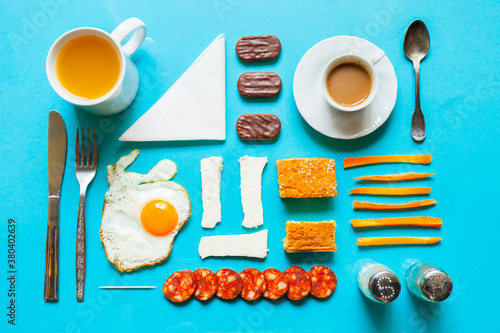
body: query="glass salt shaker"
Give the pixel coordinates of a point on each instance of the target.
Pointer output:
(428, 282)
(378, 282)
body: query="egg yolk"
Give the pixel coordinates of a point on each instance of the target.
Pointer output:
(159, 217)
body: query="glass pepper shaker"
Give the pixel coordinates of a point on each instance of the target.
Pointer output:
(428, 282)
(378, 283)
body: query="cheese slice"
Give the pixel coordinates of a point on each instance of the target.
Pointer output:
(251, 179)
(210, 184)
(246, 245)
(194, 108)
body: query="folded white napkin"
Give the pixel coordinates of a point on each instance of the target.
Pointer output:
(194, 108)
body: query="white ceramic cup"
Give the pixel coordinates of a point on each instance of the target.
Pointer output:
(125, 89)
(367, 64)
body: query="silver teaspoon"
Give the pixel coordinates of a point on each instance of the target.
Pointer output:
(416, 45)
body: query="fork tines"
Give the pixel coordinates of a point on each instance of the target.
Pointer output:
(87, 150)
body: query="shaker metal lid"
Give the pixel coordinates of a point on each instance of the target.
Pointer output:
(384, 286)
(436, 285)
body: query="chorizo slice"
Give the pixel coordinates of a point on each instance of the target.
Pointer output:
(299, 283)
(323, 281)
(230, 283)
(254, 284)
(277, 284)
(206, 284)
(179, 286)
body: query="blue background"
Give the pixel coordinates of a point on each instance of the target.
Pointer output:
(459, 85)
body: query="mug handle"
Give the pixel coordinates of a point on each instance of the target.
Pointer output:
(377, 57)
(125, 28)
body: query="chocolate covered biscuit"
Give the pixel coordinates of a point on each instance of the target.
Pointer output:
(259, 84)
(258, 48)
(258, 126)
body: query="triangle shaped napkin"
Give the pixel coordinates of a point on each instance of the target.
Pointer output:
(194, 108)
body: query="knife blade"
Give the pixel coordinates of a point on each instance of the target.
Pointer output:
(57, 147)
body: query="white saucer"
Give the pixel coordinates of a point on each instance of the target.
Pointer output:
(312, 104)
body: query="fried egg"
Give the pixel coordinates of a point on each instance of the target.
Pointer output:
(142, 214)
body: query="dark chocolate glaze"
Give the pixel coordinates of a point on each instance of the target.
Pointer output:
(259, 84)
(258, 126)
(258, 48)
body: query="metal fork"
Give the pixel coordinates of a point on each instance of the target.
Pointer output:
(85, 171)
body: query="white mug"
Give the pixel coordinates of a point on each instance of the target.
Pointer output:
(367, 64)
(125, 89)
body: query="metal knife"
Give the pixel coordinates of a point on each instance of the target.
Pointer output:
(56, 163)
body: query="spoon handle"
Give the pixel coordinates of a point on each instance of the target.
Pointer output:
(417, 121)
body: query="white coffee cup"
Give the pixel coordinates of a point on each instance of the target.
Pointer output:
(125, 89)
(367, 64)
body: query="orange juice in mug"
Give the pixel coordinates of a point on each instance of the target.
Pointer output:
(90, 68)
